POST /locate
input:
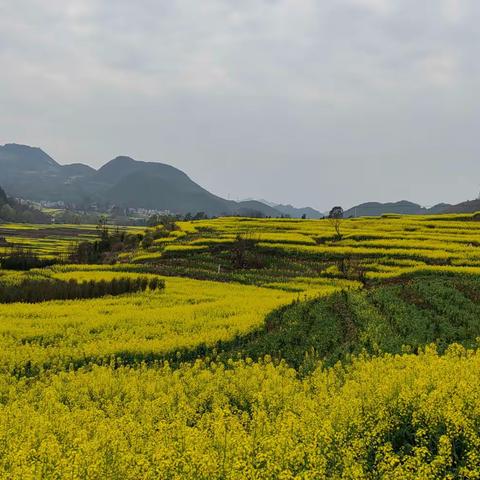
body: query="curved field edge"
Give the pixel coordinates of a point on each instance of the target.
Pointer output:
(181, 322)
(193, 319)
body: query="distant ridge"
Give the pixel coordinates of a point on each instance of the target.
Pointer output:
(470, 206)
(293, 212)
(403, 207)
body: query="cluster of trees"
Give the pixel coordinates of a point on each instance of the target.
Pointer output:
(111, 242)
(166, 221)
(114, 240)
(20, 258)
(43, 289)
(73, 217)
(13, 211)
(169, 220)
(197, 216)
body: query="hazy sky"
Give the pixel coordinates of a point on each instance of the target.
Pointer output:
(316, 102)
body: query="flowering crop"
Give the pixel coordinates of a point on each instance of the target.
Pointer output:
(262, 358)
(410, 416)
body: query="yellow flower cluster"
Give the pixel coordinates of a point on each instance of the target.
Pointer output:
(404, 417)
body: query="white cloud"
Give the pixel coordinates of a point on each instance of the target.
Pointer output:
(454, 10)
(440, 69)
(221, 87)
(381, 7)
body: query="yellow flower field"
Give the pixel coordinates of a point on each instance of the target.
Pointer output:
(138, 386)
(132, 328)
(410, 416)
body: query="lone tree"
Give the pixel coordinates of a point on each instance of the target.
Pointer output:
(335, 217)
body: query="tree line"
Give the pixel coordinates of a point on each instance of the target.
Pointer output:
(34, 290)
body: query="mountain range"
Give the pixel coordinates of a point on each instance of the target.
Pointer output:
(30, 173)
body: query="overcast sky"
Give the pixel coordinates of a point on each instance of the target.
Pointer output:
(310, 102)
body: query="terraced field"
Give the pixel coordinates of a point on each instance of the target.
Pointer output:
(369, 248)
(263, 349)
(47, 241)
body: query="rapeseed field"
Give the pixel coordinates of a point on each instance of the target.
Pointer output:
(274, 349)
